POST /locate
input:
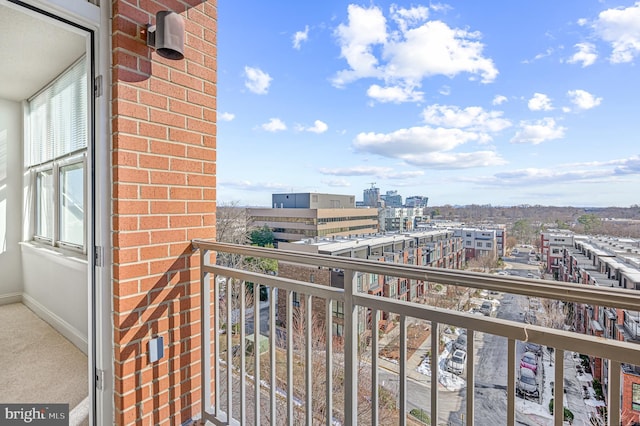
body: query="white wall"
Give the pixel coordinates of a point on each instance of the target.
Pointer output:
(56, 288)
(10, 200)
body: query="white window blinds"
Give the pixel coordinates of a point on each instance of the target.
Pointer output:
(58, 117)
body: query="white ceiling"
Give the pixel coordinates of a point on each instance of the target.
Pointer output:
(34, 49)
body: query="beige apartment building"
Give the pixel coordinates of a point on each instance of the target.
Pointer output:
(302, 216)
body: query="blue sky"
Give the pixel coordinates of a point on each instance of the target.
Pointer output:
(485, 102)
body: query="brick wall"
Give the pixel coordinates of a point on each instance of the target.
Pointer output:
(163, 157)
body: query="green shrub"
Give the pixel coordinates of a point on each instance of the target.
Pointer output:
(568, 415)
(420, 415)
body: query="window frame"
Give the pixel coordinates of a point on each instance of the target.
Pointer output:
(55, 166)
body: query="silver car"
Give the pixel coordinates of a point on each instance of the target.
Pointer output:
(456, 362)
(527, 384)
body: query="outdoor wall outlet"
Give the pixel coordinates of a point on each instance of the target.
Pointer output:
(156, 349)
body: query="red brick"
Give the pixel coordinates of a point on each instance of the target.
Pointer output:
(166, 148)
(168, 236)
(201, 153)
(130, 239)
(153, 99)
(201, 207)
(153, 162)
(133, 143)
(124, 191)
(125, 223)
(130, 207)
(154, 192)
(168, 178)
(178, 164)
(130, 109)
(154, 252)
(201, 126)
(190, 194)
(168, 118)
(185, 221)
(168, 89)
(153, 222)
(129, 271)
(153, 130)
(168, 207)
(185, 136)
(123, 174)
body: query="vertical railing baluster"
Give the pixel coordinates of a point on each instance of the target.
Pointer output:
(217, 326)
(471, 381)
(205, 334)
(402, 382)
(243, 371)
(309, 360)
(558, 388)
(613, 393)
(290, 362)
(511, 382)
(230, 348)
(272, 355)
(375, 314)
(350, 350)
(435, 337)
(256, 353)
(329, 361)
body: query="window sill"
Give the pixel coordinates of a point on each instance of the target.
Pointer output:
(59, 255)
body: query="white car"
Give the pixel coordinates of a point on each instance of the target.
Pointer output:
(457, 361)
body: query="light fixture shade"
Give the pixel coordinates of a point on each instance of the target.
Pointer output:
(167, 36)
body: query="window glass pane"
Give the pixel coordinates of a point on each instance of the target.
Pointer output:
(72, 204)
(44, 204)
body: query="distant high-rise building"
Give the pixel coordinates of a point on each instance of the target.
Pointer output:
(371, 196)
(392, 199)
(416, 201)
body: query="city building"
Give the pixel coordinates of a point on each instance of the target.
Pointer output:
(552, 245)
(107, 172)
(392, 199)
(434, 248)
(416, 201)
(478, 242)
(400, 219)
(371, 197)
(298, 216)
(609, 263)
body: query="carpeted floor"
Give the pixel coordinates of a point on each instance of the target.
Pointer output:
(38, 365)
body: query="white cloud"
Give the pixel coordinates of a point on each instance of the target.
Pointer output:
(499, 100)
(415, 50)
(248, 185)
(226, 116)
(395, 94)
(300, 36)
(318, 127)
(257, 80)
(445, 90)
(456, 160)
(337, 183)
(471, 118)
(586, 54)
(621, 28)
(536, 132)
(575, 172)
(409, 17)
(540, 102)
(377, 171)
(274, 125)
(583, 99)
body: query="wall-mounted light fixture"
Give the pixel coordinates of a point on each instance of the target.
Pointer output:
(167, 35)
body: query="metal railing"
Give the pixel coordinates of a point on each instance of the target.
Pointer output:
(234, 389)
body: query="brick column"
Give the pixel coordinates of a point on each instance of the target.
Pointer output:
(163, 157)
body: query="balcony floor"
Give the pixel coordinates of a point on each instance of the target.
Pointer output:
(38, 365)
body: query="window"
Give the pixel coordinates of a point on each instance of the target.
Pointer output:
(479, 244)
(635, 398)
(55, 155)
(296, 298)
(338, 309)
(488, 245)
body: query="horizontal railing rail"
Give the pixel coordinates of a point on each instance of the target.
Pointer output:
(617, 352)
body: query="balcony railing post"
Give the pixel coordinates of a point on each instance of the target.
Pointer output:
(613, 393)
(350, 350)
(205, 334)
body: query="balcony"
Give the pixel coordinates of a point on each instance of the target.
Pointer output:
(313, 371)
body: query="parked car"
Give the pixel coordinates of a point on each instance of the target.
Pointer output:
(530, 275)
(533, 347)
(456, 362)
(460, 343)
(527, 385)
(529, 360)
(486, 307)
